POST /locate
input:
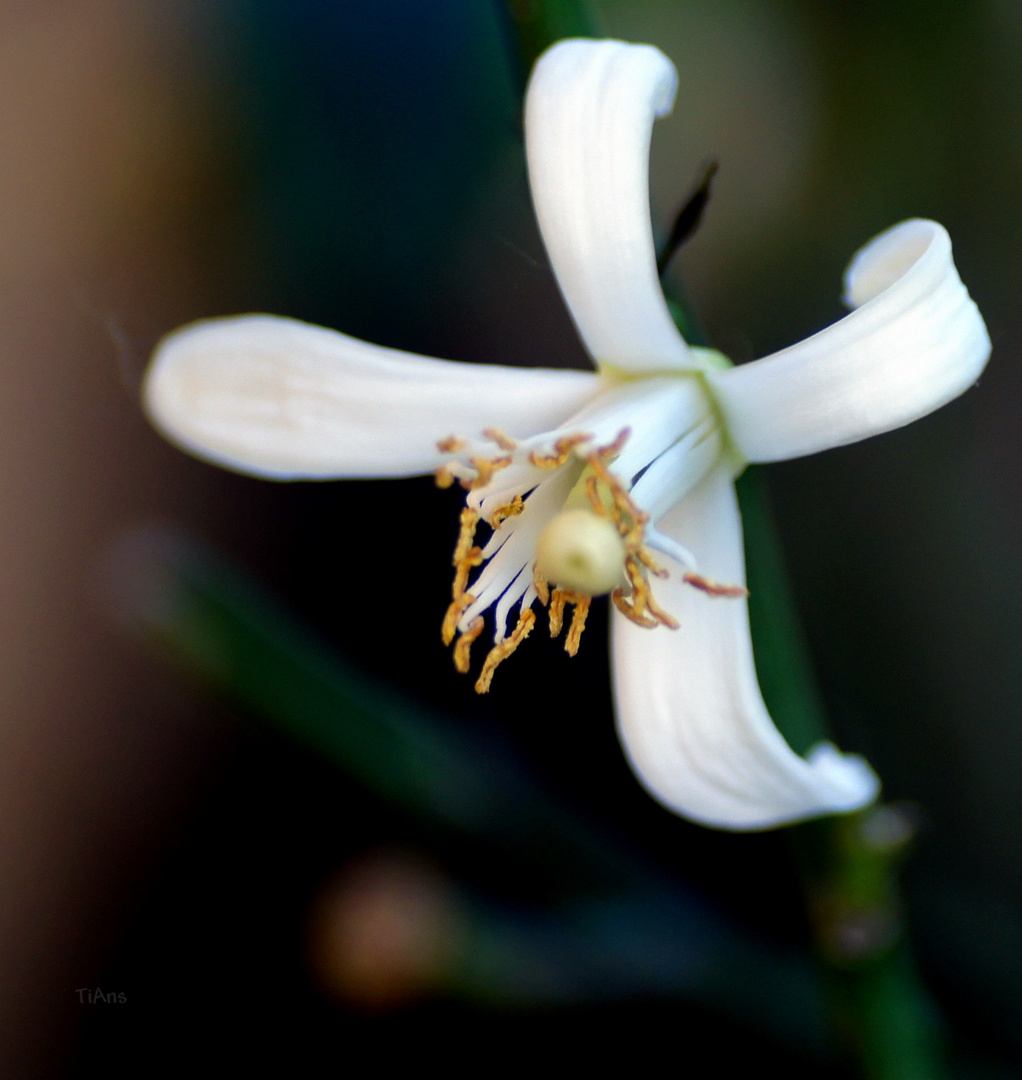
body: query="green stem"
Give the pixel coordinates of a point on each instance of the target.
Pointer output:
(880, 1011)
(783, 665)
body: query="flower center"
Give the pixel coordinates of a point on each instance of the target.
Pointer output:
(570, 532)
(564, 525)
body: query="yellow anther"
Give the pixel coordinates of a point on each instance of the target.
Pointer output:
(562, 451)
(469, 521)
(466, 556)
(621, 501)
(611, 450)
(715, 588)
(578, 624)
(593, 493)
(462, 649)
(633, 571)
(647, 560)
(455, 610)
(558, 599)
(473, 559)
(501, 652)
(444, 477)
(502, 513)
(658, 612)
(631, 522)
(630, 611)
(485, 469)
(640, 607)
(540, 583)
(505, 442)
(451, 445)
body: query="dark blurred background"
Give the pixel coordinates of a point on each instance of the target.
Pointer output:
(360, 165)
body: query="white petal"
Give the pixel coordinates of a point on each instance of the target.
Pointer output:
(916, 342)
(690, 714)
(657, 411)
(589, 115)
(280, 398)
(676, 471)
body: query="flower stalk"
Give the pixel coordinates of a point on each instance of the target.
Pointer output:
(880, 1012)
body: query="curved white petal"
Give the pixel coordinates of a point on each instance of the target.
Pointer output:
(690, 714)
(589, 114)
(283, 399)
(677, 470)
(915, 341)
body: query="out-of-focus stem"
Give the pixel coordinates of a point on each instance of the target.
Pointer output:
(782, 657)
(880, 1012)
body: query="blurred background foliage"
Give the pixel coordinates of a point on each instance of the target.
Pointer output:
(359, 165)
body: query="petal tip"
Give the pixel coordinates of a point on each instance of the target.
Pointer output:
(888, 257)
(914, 341)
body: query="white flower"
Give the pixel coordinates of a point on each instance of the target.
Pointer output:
(618, 480)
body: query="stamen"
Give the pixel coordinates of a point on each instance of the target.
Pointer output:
(473, 559)
(642, 598)
(658, 612)
(631, 611)
(501, 652)
(469, 521)
(462, 649)
(505, 442)
(502, 513)
(485, 469)
(455, 610)
(631, 522)
(560, 598)
(542, 589)
(557, 602)
(647, 560)
(715, 588)
(578, 624)
(451, 445)
(593, 494)
(611, 450)
(562, 451)
(613, 510)
(622, 501)
(466, 557)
